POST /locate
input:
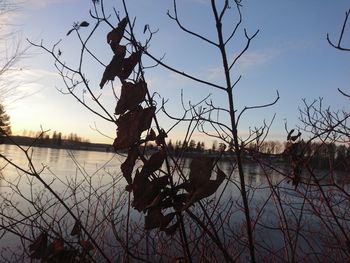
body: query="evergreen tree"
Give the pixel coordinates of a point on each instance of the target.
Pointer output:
(5, 127)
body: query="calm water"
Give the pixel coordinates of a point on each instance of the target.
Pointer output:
(99, 173)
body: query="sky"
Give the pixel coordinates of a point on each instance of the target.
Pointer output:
(290, 55)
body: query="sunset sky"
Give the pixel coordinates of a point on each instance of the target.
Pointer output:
(290, 54)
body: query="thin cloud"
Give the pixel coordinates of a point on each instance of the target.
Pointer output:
(38, 4)
(253, 59)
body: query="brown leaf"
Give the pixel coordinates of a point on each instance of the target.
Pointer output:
(119, 51)
(128, 165)
(154, 163)
(200, 185)
(160, 138)
(84, 24)
(38, 247)
(200, 170)
(131, 96)
(146, 118)
(155, 218)
(206, 188)
(128, 132)
(151, 136)
(116, 34)
(145, 192)
(76, 229)
(131, 125)
(112, 70)
(128, 65)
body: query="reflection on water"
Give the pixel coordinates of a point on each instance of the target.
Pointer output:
(99, 173)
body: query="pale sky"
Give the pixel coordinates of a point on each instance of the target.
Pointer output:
(290, 54)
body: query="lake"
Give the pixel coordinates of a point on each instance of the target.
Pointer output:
(92, 185)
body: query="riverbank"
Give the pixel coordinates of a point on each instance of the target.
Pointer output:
(62, 144)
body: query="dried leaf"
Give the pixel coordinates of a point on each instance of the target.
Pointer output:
(155, 219)
(200, 185)
(151, 136)
(84, 24)
(154, 163)
(38, 247)
(118, 50)
(128, 131)
(112, 70)
(128, 165)
(131, 125)
(200, 171)
(146, 119)
(206, 188)
(160, 138)
(128, 65)
(146, 192)
(116, 34)
(131, 96)
(76, 229)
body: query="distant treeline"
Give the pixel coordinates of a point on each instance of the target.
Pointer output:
(316, 154)
(57, 141)
(55, 138)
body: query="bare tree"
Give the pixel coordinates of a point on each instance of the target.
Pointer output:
(12, 51)
(192, 210)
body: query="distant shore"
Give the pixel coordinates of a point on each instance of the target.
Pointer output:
(61, 144)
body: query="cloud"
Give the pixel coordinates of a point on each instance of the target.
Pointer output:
(253, 59)
(38, 4)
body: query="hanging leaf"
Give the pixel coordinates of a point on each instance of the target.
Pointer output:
(38, 247)
(118, 50)
(131, 96)
(200, 186)
(160, 138)
(154, 163)
(151, 136)
(112, 70)
(146, 119)
(76, 26)
(84, 24)
(76, 229)
(128, 65)
(155, 218)
(200, 171)
(128, 132)
(145, 192)
(116, 34)
(128, 165)
(131, 125)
